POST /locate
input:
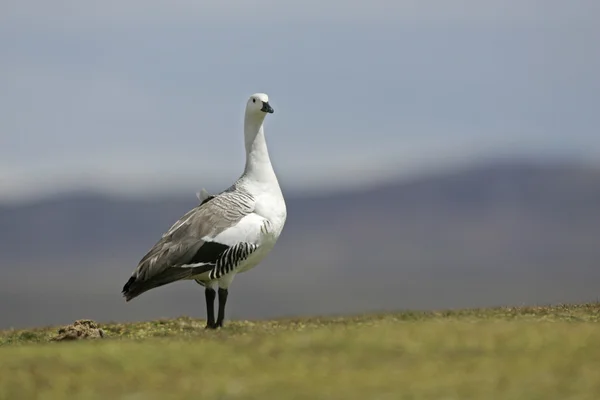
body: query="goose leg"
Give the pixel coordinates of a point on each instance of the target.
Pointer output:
(222, 302)
(210, 294)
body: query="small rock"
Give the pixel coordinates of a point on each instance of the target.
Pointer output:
(81, 329)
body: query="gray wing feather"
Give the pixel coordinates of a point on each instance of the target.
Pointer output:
(164, 261)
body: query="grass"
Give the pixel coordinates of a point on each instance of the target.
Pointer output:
(499, 353)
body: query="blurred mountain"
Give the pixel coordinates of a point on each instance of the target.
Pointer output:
(504, 233)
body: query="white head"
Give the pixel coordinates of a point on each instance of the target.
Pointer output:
(258, 105)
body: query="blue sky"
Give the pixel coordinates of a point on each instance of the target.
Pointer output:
(137, 97)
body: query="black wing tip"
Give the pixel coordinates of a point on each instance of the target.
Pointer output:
(126, 293)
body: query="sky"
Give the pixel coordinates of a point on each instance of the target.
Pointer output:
(145, 97)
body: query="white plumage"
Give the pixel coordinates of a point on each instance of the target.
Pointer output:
(225, 234)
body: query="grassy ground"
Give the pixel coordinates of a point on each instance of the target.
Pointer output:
(503, 353)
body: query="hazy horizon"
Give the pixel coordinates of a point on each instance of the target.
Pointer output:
(190, 190)
(489, 235)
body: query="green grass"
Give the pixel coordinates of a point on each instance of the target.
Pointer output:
(500, 353)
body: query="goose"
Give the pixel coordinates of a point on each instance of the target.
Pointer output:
(227, 233)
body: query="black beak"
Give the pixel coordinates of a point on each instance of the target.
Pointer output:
(267, 107)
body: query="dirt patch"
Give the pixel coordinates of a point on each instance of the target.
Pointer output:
(81, 329)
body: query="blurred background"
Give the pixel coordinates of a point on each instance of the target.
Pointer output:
(434, 154)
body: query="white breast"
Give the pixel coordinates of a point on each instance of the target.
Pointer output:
(272, 207)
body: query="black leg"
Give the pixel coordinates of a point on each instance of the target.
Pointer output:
(222, 301)
(210, 294)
